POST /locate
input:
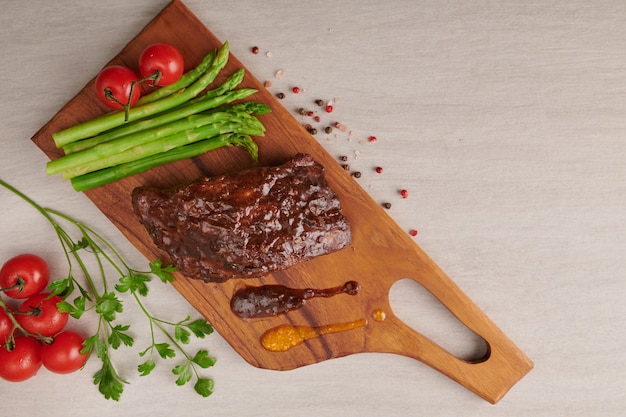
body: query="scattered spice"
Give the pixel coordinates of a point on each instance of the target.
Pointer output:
(317, 119)
(379, 170)
(302, 111)
(319, 102)
(343, 157)
(387, 205)
(329, 108)
(310, 113)
(346, 167)
(413, 232)
(267, 84)
(280, 95)
(295, 89)
(372, 139)
(255, 50)
(356, 174)
(279, 74)
(328, 129)
(404, 193)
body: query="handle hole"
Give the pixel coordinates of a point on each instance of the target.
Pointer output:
(424, 313)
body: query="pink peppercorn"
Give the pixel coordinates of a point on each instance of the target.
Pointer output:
(296, 90)
(413, 232)
(404, 193)
(255, 50)
(379, 170)
(329, 109)
(372, 139)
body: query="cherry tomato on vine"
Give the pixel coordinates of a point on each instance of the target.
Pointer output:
(6, 326)
(114, 84)
(22, 362)
(39, 315)
(165, 59)
(33, 271)
(63, 355)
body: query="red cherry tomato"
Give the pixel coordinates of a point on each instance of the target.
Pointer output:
(33, 271)
(63, 354)
(22, 362)
(165, 59)
(6, 326)
(113, 86)
(46, 319)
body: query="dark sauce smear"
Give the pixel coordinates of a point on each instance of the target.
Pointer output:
(271, 300)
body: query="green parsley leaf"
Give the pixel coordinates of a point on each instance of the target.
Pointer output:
(165, 351)
(200, 328)
(117, 336)
(204, 387)
(134, 283)
(61, 286)
(146, 367)
(108, 385)
(203, 359)
(183, 372)
(163, 272)
(108, 306)
(181, 334)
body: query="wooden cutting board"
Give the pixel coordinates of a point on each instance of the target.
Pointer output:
(380, 254)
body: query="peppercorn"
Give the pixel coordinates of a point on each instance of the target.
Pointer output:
(379, 170)
(280, 95)
(404, 193)
(343, 157)
(356, 174)
(346, 167)
(387, 205)
(413, 232)
(255, 50)
(328, 129)
(296, 90)
(319, 102)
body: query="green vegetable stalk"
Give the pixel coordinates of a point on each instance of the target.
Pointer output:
(108, 175)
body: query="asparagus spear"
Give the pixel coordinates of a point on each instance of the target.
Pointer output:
(246, 125)
(105, 150)
(115, 119)
(105, 176)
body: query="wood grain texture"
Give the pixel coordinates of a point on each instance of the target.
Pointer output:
(381, 253)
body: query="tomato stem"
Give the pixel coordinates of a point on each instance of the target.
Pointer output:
(19, 285)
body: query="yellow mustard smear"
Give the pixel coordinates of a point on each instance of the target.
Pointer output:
(286, 336)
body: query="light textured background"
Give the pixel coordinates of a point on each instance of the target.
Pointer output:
(504, 119)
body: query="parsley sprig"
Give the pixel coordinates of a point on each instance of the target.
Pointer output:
(95, 294)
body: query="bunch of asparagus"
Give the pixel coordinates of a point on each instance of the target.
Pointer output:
(175, 122)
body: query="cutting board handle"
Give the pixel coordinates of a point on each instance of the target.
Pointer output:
(491, 376)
